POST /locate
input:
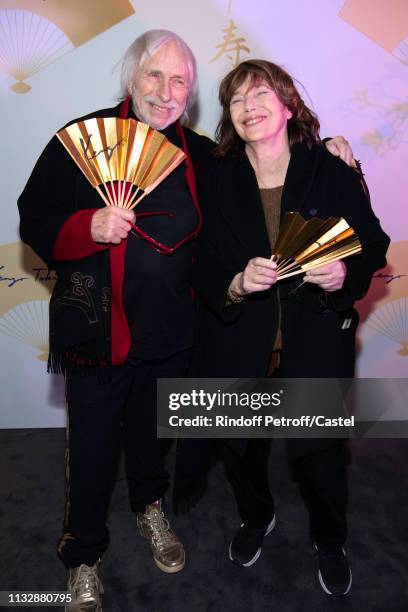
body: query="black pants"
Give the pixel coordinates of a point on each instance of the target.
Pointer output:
(322, 479)
(100, 414)
(318, 465)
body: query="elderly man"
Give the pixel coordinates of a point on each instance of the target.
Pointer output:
(121, 314)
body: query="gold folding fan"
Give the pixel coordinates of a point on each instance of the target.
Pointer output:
(123, 159)
(303, 245)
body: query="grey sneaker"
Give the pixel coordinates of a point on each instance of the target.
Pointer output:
(334, 571)
(85, 588)
(246, 545)
(168, 551)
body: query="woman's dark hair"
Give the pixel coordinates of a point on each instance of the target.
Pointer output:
(303, 126)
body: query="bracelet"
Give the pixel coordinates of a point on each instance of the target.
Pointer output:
(234, 297)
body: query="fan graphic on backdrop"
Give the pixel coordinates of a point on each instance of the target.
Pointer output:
(25, 288)
(389, 316)
(28, 323)
(35, 33)
(28, 43)
(391, 319)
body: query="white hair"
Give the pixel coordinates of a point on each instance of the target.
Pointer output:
(143, 48)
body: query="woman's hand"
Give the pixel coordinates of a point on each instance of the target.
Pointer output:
(259, 275)
(329, 277)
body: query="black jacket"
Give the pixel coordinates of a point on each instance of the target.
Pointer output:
(80, 324)
(237, 340)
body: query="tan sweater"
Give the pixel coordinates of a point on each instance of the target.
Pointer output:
(271, 203)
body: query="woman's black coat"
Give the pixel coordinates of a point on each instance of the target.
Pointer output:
(237, 340)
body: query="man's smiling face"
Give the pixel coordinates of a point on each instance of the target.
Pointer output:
(160, 87)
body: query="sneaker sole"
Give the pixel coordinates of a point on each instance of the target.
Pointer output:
(326, 590)
(72, 607)
(169, 570)
(324, 587)
(258, 552)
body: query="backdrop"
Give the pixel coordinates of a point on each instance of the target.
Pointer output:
(58, 60)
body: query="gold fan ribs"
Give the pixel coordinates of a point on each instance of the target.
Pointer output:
(123, 159)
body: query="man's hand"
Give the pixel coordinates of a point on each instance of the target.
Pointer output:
(340, 147)
(329, 277)
(259, 275)
(111, 224)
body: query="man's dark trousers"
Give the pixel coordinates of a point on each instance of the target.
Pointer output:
(100, 415)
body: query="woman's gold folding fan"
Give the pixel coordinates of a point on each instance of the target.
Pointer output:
(117, 155)
(303, 245)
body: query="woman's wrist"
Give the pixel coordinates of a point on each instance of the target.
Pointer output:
(236, 291)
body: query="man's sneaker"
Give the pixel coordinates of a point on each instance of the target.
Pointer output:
(246, 545)
(85, 589)
(168, 551)
(334, 571)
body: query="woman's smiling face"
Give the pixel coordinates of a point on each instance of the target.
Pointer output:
(257, 113)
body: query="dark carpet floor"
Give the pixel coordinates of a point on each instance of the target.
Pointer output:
(284, 578)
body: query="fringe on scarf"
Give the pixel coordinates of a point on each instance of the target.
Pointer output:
(74, 362)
